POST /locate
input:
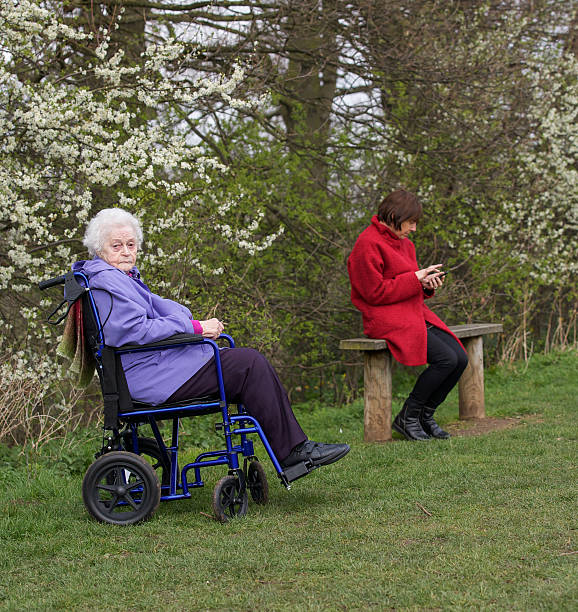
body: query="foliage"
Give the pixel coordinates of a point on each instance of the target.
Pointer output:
(472, 105)
(34, 410)
(251, 205)
(76, 136)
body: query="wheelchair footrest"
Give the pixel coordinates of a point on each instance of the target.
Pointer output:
(298, 470)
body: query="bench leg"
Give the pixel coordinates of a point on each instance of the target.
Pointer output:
(471, 385)
(377, 396)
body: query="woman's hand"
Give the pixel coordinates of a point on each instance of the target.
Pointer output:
(429, 277)
(212, 328)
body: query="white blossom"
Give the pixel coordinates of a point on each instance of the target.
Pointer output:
(66, 136)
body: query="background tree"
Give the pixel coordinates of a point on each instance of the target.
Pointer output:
(74, 138)
(470, 103)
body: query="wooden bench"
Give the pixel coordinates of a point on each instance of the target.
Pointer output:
(377, 378)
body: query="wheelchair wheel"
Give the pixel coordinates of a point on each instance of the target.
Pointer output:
(121, 488)
(257, 483)
(149, 450)
(229, 498)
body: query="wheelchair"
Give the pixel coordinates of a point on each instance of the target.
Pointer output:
(132, 473)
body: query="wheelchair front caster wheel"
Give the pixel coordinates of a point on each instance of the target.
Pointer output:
(229, 499)
(257, 483)
(121, 488)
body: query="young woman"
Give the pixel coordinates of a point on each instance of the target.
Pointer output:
(390, 290)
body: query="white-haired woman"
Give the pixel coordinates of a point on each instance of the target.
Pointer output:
(132, 314)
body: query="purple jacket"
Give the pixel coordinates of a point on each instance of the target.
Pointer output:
(132, 314)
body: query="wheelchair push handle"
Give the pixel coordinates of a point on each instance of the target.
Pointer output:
(51, 282)
(72, 291)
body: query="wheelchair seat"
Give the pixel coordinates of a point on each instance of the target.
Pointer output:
(208, 404)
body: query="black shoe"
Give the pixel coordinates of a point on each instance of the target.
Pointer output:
(317, 453)
(430, 426)
(407, 422)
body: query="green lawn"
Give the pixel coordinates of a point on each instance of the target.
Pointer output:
(482, 522)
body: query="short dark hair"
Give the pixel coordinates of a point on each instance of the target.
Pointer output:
(399, 206)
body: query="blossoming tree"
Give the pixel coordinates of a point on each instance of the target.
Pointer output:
(77, 136)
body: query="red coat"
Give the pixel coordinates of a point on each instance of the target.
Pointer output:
(386, 290)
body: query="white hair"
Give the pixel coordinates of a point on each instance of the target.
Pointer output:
(100, 226)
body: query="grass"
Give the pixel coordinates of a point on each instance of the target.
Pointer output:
(486, 522)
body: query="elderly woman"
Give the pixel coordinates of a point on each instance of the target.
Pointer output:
(131, 313)
(389, 290)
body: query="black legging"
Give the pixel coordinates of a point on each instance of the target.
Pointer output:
(447, 360)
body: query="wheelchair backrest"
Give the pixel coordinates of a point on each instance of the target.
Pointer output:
(115, 391)
(108, 365)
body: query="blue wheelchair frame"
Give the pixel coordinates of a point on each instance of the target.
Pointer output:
(227, 456)
(228, 501)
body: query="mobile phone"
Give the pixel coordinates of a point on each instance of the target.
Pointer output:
(440, 274)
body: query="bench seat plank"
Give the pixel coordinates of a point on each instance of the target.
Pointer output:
(363, 344)
(470, 330)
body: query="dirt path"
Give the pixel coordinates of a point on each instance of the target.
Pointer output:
(478, 427)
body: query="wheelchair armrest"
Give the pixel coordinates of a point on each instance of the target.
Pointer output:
(177, 339)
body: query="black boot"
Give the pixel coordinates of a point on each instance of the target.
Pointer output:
(430, 426)
(407, 422)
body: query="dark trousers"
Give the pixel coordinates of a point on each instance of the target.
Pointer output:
(447, 360)
(249, 379)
